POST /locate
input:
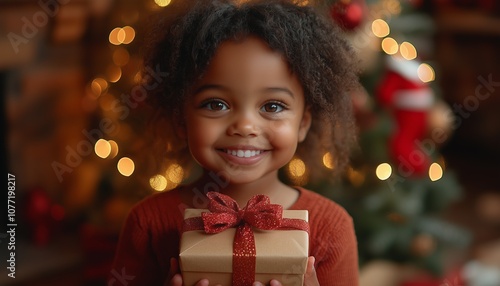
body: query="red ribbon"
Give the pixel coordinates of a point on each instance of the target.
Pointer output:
(258, 213)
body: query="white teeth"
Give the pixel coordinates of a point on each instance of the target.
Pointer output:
(244, 153)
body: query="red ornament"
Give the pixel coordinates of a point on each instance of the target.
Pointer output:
(42, 215)
(348, 14)
(410, 101)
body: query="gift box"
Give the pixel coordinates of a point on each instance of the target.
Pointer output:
(279, 254)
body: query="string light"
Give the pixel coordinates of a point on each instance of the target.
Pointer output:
(390, 46)
(380, 28)
(129, 34)
(383, 171)
(162, 3)
(408, 51)
(102, 148)
(113, 73)
(114, 148)
(113, 36)
(175, 173)
(435, 172)
(126, 166)
(296, 167)
(121, 56)
(328, 160)
(158, 183)
(121, 35)
(99, 86)
(426, 73)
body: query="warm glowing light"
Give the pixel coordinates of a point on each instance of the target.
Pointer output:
(158, 183)
(357, 178)
(162, 3)
(297, 167)
(113, 73)
(426, 73)
(121, 56)
(328, 160)
(393, 6)
(435, 172)
(175, 173)
(383, 171)
(114, 148)
(408, 51)
(99, 86)
(113, 36)
(129, 34)
(102, 148)
(121, 35)
(380, 28)
(390, 46)
(126, 166)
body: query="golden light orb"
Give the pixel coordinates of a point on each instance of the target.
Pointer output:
(383, 171)
(126, 166)
(102, 148)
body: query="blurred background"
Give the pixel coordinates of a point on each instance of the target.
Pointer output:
(423, 187)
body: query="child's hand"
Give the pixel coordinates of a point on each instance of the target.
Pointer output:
(174, 277)
(310, 278)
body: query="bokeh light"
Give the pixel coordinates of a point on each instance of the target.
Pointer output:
(102, 148)
(121, 56)
(162, 3)
(296, 167)
(175, 173)
(129, 34)
(390, 46)
(158, 183)
(426, 73)
(408, 51)
(328, 160)
(435, 172)
(383, 171)
(380, 28)
(114, 148)
(126, 166)
(113, 73)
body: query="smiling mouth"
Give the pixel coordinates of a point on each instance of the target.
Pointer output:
(243, 153)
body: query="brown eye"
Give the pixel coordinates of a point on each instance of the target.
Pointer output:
(215, 105)
(272, 107)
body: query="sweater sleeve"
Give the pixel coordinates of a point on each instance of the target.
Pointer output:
(339, 264)
(135, 262)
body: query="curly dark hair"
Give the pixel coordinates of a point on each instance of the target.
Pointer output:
(185, 37)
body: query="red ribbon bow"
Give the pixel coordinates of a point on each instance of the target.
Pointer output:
(259, 213)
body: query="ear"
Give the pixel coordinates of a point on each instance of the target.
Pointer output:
(305, 124)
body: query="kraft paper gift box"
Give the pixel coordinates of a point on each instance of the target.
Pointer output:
(280, 254)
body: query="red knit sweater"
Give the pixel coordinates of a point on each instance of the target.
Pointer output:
(152, 231)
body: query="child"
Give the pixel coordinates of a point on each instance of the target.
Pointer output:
(246, 87)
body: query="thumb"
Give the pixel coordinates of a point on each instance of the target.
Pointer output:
(310, 278)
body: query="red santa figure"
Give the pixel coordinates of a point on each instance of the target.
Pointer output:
(410, 100)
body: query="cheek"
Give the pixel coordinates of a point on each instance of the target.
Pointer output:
(282, 134)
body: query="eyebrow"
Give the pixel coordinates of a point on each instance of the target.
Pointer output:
(280, 89)
(223, 88)
(209, 86)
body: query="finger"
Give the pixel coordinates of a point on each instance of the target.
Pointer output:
(174, 267)
(203, 282)
(257, 283)
(310, 278)
(274, 282)
(176, 280)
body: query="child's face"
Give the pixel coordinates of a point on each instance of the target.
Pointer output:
(247, 114)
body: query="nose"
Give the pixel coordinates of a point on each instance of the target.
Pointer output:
(243, 124)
